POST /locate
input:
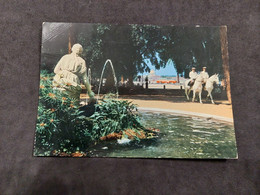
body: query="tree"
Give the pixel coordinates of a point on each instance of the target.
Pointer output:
(190, 46)
(128, 46)
(224, 51)
(132, 48)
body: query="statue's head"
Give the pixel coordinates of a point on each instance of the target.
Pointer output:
(77, 48)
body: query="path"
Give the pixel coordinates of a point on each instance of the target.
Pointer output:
(221, 108)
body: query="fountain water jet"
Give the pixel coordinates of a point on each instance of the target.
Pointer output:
(89, 80)
(101, 77)
(89, 76)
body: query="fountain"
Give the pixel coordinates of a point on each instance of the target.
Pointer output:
(89, 76)
(89, 80)
(89, 108)
(182, 135)
(101, 77)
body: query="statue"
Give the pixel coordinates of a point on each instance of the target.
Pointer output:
(70, 70)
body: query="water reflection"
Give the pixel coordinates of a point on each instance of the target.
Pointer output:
(181, 137)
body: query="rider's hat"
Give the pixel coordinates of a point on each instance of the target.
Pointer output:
(204, 67)
(193, 68)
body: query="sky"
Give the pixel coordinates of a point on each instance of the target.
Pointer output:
(169, 70)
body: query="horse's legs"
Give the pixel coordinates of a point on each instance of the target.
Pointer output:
(187, 93)
(211, 98)
(207, 96)
(200, 97)
(194, 94)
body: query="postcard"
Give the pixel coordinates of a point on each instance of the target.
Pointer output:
(134, 91)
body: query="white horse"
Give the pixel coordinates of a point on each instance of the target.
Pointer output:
(197, 87)
(209, 85)
(188, 88)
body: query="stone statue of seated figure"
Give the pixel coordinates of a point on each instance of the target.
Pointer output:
(70, 71)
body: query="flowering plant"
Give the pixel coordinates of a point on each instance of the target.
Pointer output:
(62, 127)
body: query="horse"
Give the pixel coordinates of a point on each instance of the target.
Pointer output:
(197, 87)
(187, 88)
(209, 85)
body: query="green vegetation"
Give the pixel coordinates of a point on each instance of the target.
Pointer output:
(113, 117)
(61, 127)
(133, 47)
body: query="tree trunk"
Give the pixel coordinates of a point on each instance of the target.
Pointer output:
(178, 78)
(69, 44)
(225, 64)
(131, 81)
(71, 40)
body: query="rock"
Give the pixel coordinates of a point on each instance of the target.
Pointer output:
(89, 109)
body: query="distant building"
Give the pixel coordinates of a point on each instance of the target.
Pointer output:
(152, 77)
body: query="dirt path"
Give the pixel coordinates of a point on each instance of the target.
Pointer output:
(221, 108)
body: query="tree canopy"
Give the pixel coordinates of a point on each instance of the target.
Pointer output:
(132, 48)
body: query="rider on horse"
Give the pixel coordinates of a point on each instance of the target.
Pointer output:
(204, 75)
(193, 75)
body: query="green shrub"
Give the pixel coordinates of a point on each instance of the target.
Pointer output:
(114, 116)
(62, 127)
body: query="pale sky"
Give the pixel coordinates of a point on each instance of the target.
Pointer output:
(169, 70)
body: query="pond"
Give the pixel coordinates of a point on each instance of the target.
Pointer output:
(180, 137)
